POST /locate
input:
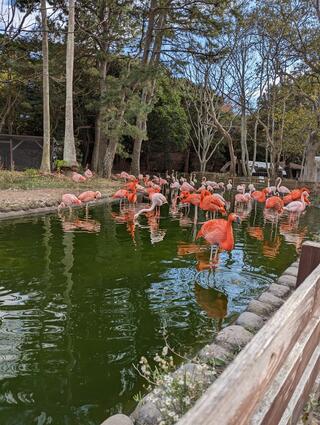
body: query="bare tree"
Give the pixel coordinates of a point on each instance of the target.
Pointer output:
(205, 137)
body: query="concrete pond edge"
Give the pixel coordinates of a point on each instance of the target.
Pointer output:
(11, 215)
(224, 348)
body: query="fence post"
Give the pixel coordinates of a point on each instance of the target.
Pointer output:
(309, 260)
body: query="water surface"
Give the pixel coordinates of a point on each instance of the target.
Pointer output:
(82, 299)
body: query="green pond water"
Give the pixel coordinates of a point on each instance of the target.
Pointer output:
(82, 299)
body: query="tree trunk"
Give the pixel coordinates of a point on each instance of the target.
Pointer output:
(255, 135)
(109, 157)
(45, 162)
(135, 164)
(98, 124)
(69, 150)
(244, 158)
(203, 166)
(187, 161)
(309, 173)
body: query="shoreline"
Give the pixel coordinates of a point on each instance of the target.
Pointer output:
(11, 215)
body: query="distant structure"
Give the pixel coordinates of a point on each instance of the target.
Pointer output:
(261, 168)
(20, 152)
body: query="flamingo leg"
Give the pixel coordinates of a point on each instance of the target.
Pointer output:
(216, 254)
(211, 252)
(195, 215)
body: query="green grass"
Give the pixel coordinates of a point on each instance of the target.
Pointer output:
(33, 180)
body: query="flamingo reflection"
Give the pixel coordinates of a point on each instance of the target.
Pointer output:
(213, 302)
(88, 225)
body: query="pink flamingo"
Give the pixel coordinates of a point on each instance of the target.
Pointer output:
(121, 194)
(241, 188)
(69, 199)
(283, 190)
(88, 174)
(186, 187)
(220, 233)
(89, 196)
(78, 178)
(243, 198)
(157, 200)
(297, 207)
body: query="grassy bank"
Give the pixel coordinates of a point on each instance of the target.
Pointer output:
(33, 180)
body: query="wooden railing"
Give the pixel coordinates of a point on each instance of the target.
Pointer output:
(270, 380)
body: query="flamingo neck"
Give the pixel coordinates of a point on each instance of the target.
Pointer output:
(279, 182)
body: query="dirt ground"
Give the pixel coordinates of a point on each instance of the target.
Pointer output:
(29, 193)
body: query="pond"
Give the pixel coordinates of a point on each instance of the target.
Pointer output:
(83, 298)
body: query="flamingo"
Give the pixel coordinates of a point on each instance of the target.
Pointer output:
(89, 195)
(212, 204)
(219, 232)
(229, 185)
(157, 200)
(193, 199)
(132, 197)
(88, 174)
(69, 199)
(241, 188)
(121, 194)
(207, 183)
(275, 203)
(297, 207)
(78, 178)
(259, 195)
(270, 189)
(283, 190)
(186, 187)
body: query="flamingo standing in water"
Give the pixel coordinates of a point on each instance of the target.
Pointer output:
(229, 185)
(297, 207)
(157, 200)
(121, 194)
(283, 190)
(275, 203)
(193, 199)
(219, 232)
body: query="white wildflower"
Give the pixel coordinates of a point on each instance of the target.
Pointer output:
(165, 351)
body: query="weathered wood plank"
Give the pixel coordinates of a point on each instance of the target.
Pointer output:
(233, 398)
(302, 391)
(309, 260)
(278, 396)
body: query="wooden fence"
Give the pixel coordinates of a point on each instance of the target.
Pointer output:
(270, 380)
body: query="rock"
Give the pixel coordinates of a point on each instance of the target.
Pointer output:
(269, 298)
(292, 271)
(146, 413)
(250, 321)
(295, 264)
(288, 280)
(234, 337)
(260, 308)
(280, 291)
(195, 372)
(118, 420)
(214, 351)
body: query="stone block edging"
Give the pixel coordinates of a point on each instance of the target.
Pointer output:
(226, 345)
